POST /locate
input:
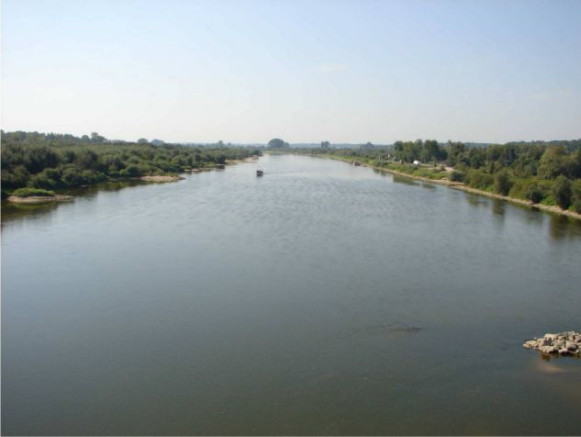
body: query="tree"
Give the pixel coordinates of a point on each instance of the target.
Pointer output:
(476, 157)
(562, 191)
(502, 183)
(454, 151)
(573, 165)
(552, 163)
(277, 143)
(87, 160)
(96, 138)
(431, 151)
(534, 193)
(142, 141)
(325, 144)
(398, 149)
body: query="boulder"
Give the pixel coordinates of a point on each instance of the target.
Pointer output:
(564, 343)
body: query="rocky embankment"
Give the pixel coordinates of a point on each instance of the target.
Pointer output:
(563, 343)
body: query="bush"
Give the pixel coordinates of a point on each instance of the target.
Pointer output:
(27, 192)
(457, 176)
(72, 176)
(562, 191)
(534, 193)
(502, 183)
(42, 180)
(131, 171)
(478, 179)
(576, 198)
(92, 176)
(15, 177)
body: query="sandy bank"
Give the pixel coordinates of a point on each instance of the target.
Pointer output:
(239, 161)
(39, 199)
(161, 178)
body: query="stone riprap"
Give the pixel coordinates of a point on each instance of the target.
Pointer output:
(563, 343)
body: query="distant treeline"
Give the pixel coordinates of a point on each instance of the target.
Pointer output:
(542, 172)
(53, 161)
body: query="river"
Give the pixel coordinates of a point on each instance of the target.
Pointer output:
(320, 299)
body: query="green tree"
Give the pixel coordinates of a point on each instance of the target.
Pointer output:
(96, 138)
(562, 191)
(534, 193)
(455, 150)
(277, 143)
(552, 163)
(431, 151)
(502, 183)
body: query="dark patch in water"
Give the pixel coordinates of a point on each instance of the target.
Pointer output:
(396, 328)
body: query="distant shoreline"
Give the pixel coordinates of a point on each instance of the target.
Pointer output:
(462, 187)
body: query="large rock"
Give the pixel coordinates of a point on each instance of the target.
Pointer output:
(563, 343)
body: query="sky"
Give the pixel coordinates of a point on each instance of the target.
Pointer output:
(246, 71)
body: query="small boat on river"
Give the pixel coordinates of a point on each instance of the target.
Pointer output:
(259, 173)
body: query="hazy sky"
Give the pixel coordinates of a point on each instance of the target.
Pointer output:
(305, 71)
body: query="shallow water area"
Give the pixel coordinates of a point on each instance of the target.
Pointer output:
(319, 299)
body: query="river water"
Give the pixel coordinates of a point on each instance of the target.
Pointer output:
(320, 299)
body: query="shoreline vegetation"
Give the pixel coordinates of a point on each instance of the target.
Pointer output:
(538, 174)
(39, 199)
(541, 175)
(463, 187)
(59, 162)
(36, 195)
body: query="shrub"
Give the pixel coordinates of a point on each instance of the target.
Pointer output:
(457, 176)
(131, 171)
(534, 193)
(478, 179)
(576, 197)
(41, 180)
(502, 183)
(92, 176)
(27, 192)
(16, 177)
(562, 191)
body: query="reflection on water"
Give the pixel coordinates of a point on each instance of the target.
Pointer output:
(498, 207)
(563, 227)
(404, 180)
(475, 200)
(429, 186)
(12, 211)
(381, 172)
(535, 216)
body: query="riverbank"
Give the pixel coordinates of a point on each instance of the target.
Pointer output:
(252, 158)
(162, 178)
(39, 199)
(463, 187)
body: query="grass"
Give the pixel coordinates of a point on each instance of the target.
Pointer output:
(28, 192)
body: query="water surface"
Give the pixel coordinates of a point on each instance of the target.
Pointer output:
(319, 299)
